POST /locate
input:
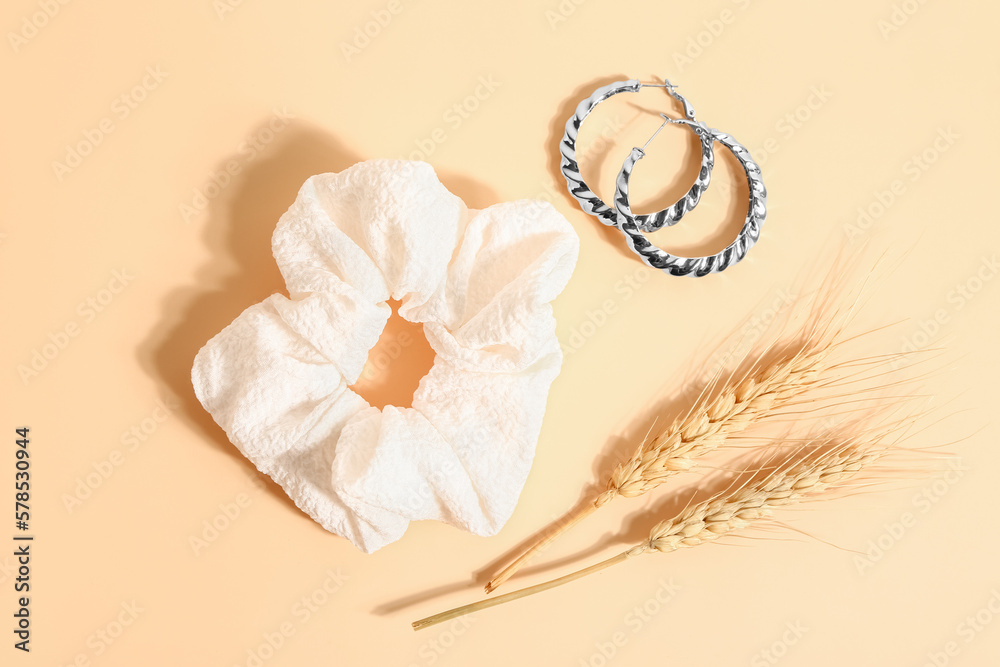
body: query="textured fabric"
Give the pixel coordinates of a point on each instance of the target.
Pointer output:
(277, 379)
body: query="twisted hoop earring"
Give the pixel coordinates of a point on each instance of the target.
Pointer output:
(593, 204)
(694, 266)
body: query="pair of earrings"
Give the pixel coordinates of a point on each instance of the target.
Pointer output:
(633, 225)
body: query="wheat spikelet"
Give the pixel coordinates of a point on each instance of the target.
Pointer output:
(743, 400)
(813, 470)
(775, 378)
(816, 469)
(705, 427)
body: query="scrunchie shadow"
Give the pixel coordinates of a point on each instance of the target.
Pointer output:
(236, 227)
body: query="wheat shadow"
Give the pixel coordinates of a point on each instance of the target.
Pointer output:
(659, 414)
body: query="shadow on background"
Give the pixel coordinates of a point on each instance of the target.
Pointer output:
(636, 525)
(236, 227)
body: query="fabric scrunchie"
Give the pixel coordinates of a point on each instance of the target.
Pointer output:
(277, 379)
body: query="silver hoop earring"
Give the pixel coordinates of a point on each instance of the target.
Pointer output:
(694, 266)
(593, 204)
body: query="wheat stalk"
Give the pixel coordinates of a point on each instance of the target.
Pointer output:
(727, 406)
(814, 468)
(743, 400)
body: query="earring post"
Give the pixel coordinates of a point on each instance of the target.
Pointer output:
(666, 84)
(666, 119)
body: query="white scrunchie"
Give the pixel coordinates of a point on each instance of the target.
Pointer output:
(277, 378)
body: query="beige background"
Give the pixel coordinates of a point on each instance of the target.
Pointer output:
(881, 106)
